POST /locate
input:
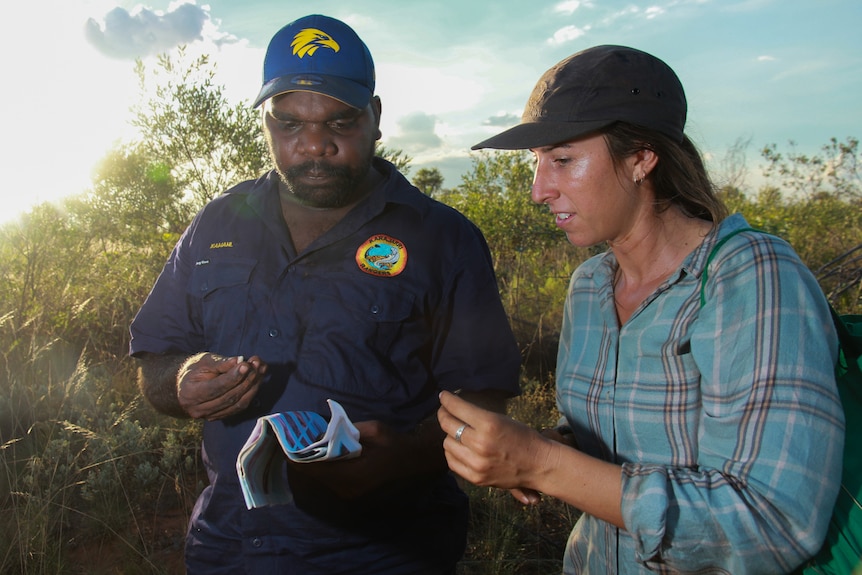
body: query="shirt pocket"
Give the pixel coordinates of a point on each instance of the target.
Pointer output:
(387, 315)
(222, 288)
(363, 343)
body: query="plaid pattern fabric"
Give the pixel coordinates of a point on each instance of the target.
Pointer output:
(725, 419)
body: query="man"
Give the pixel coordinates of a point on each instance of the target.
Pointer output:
(330, 277)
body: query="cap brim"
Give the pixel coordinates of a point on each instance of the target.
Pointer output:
(347, 91)
(531, 135)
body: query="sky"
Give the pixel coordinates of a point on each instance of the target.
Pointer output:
(449, 73)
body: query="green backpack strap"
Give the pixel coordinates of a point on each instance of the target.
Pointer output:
(705, 275)
(841, 553)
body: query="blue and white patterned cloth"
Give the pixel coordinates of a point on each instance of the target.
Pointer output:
(725, 419)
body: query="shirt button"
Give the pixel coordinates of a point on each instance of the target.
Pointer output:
(375, 309)
(256, 542)
(273, 333)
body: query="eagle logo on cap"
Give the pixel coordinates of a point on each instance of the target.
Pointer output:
(308, 40)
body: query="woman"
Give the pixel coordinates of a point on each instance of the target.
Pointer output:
(696, 438)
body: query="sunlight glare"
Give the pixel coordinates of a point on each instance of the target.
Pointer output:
(69, 106)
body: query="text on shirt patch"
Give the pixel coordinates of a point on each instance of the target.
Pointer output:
(382, 255)
(217, 245)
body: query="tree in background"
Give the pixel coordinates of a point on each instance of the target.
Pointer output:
(429, 181)
(495, 195)
(532, 258)
(815, 203)
(834, 171)
(399, 159)
(189, 125)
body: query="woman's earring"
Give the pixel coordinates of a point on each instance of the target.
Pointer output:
(638, 180)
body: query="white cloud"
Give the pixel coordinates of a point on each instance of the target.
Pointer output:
(143, 32)
(416, 133)
(567, 7)
(624, 13)
(654, 11)
(567, 34)
(502, 120)
(428, 87)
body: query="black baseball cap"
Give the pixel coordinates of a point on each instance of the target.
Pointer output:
(319, 54)
(593, 89)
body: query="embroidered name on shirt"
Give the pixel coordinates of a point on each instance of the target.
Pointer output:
(382, 256)
(217, 245)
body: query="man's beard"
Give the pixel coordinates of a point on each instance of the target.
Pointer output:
(344, 185)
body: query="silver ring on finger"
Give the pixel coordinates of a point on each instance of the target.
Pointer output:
(460, 432)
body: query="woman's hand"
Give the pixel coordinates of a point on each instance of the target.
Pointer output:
(491, 449)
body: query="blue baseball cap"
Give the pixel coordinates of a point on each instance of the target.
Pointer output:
(318, 54)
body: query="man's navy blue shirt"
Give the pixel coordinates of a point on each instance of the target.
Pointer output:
(395, 303)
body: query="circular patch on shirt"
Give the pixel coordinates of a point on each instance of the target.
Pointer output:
(382, 255)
